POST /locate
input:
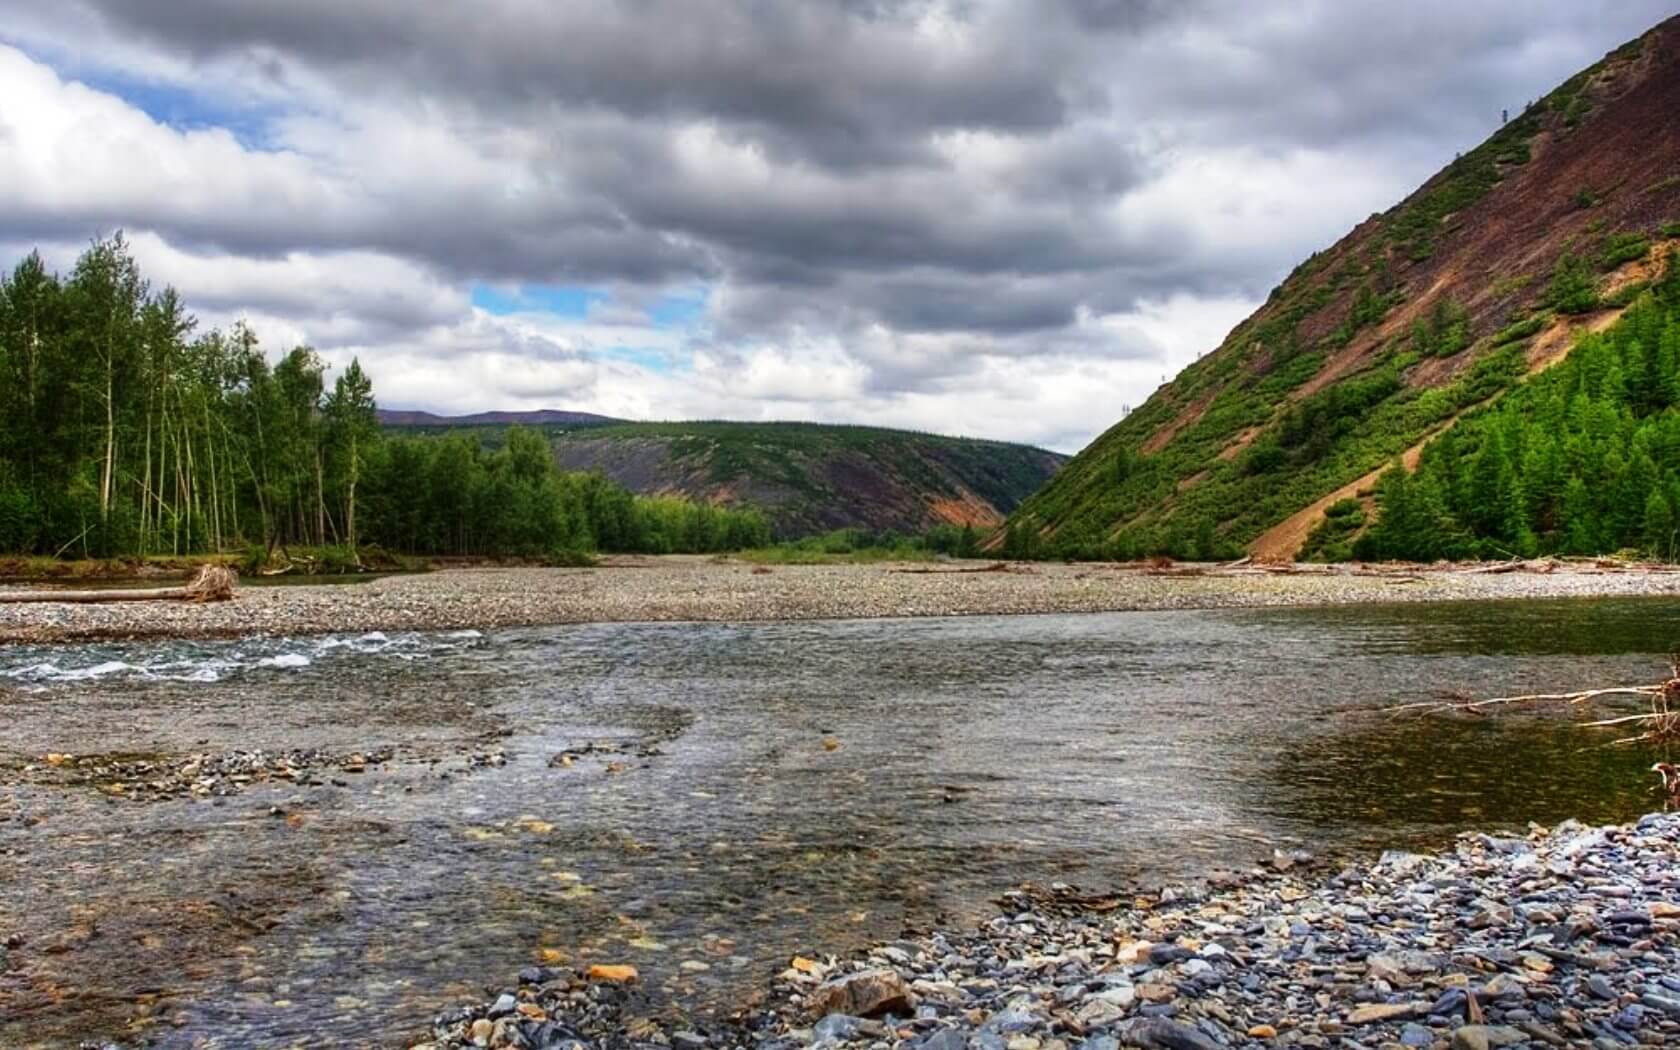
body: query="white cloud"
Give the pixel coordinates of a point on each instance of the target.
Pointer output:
(999, 218)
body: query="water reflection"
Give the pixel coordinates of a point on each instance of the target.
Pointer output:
(739, 793)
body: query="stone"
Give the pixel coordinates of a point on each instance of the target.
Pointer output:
(1262, 1031)
(835, 1028)
(1012, 1020)
(1096, 1013)
(1471, 1037)
(1449, 1003)
(612, 974)
(866, 993)
(1374, 1012)
(944, 1039)
(1155, 1033)
(1504, 986)
(1121, 995)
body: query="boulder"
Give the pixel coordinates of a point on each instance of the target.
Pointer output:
(867, 993)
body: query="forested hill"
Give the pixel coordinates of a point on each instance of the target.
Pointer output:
(125, 430)
(810, 478)
(1414, 326)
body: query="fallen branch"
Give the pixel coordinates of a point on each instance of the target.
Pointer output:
(1661, 722)
(213, 583)
(1467, 704)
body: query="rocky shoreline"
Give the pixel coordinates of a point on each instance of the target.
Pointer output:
(678, 588)
(1568, 936)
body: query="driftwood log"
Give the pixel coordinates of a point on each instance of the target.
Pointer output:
(212, 583)
(1658, 724)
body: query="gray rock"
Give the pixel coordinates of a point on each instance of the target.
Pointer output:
(1154, 1033)
(944, 1039)
(835, 1028)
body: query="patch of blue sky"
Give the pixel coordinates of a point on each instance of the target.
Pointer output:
(679, 311)
(662, 362)
(177, 106)
(571, 301)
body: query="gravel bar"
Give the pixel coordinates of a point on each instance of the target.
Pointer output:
(678, 588)
(1563, 937)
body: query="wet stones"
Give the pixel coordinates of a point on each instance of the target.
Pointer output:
(154, 778)
(1580, 946)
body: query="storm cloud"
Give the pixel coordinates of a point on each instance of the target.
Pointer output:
(1002, 218)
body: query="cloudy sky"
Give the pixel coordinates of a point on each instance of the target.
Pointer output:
(1005, 218)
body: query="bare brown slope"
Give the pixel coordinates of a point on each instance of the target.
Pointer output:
(1596, 160)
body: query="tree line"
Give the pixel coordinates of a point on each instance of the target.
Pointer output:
(1581, 459)
(125, 430)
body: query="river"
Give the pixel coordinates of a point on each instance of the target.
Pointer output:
(734, 795)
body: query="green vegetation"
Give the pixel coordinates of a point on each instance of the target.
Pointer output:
(1582, 459)
(1332, 539)
(1526, 328)
(450, 495)
(812, 478)
(127, 433)
(1314, 391)
(1572, 290)
(1445, 333)
(866, 545)
(1622, 248)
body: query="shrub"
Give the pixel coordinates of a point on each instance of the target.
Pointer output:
(1522, 329)
(1572, 290)
(1622, 248)
(19, 520)
(253, 560)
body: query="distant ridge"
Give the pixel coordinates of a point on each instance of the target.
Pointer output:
(397, 417)
(806, 477)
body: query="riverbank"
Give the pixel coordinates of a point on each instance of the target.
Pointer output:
(692, 588)
(1566, 937)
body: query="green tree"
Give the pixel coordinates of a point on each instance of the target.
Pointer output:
(352, 427)
(1572, 289)
(1659, 527)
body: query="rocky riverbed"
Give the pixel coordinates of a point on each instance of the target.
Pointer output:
(1567, 936)
(679, 588)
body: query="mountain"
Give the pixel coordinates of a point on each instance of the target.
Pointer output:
(406, 418)
(1483, 278)
(811, 478)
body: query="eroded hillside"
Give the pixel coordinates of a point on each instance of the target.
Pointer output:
(1483, 276)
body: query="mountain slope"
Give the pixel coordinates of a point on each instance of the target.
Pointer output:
(811, 478)
(1483, 276)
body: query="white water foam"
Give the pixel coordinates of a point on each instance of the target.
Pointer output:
(214, 661)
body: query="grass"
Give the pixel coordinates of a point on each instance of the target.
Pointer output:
(862, 546)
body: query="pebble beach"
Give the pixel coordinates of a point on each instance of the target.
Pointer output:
(678, 588)
(1568, 936)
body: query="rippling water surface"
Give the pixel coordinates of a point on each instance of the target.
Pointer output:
(738, 793)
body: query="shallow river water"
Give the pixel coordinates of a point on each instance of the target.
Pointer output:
(736, 793)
